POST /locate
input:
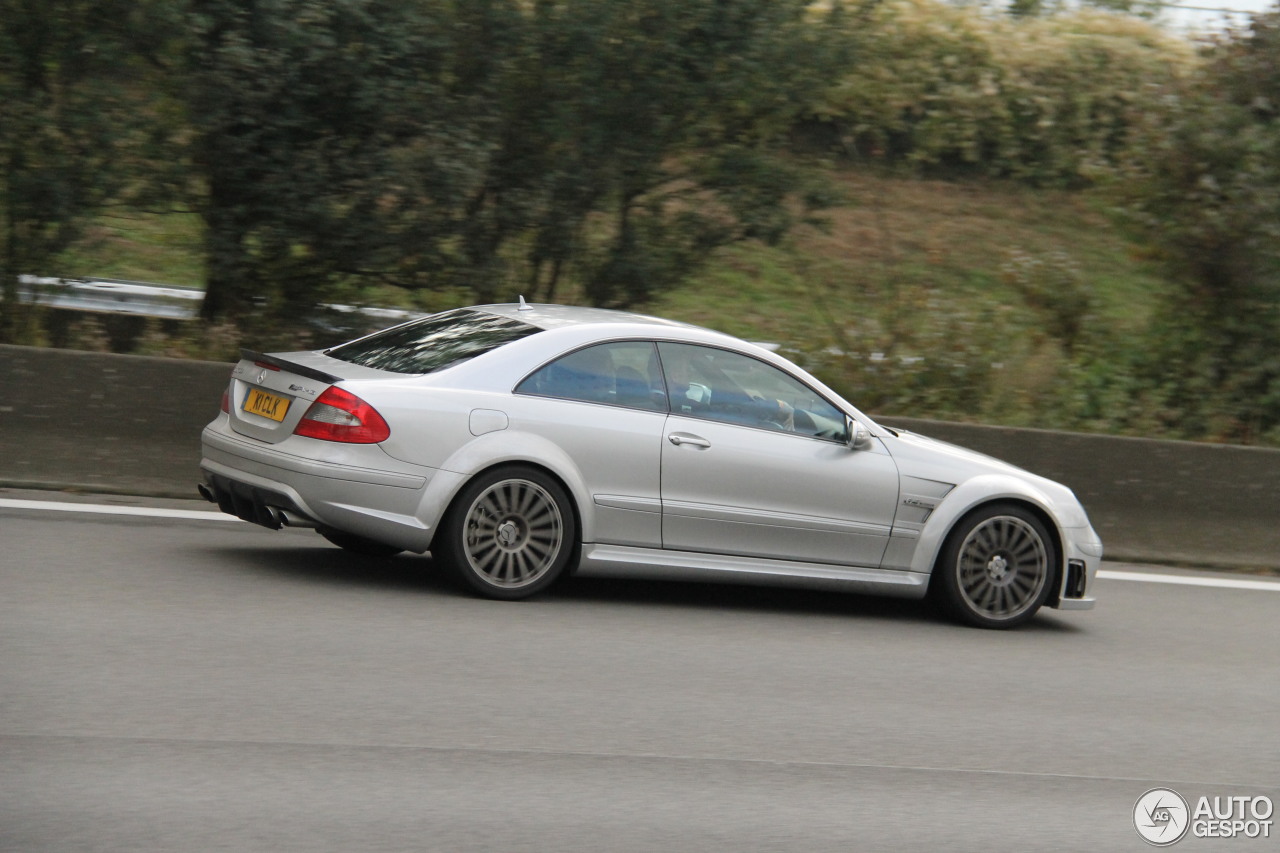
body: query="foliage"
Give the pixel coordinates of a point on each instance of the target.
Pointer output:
(641, 136)
(1141, 8)
(207, 342)
(921, 352)
(307, 120)
(495, 145)
(1054, 287)
(431, 152)
(87, 333)
(950, 88)
(1205, 182)
(76, 83)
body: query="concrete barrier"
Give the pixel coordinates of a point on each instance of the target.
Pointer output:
(129, 424)
(109, 423)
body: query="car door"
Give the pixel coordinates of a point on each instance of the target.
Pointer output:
(604, 405)
(754, 463)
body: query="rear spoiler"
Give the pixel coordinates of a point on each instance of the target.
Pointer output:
(292, 367)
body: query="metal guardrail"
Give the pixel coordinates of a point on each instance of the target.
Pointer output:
(148, 299)
(172, 302)
(113, 296)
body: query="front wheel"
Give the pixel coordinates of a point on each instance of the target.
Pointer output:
(510, 533)
(995, 568)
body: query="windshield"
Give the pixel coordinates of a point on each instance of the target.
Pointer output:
(433, 343)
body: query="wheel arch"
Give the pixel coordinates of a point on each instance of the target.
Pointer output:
(1055, 578)
(974, 496)
(472, 462)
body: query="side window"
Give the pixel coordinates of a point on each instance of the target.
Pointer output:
(724, 386)
(622, 374)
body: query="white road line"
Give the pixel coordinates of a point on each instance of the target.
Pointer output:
(198, 515)
(105, 509)
(1220, 583)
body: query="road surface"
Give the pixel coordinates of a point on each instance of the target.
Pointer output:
(189, 682)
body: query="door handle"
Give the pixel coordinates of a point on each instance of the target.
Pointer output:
(679, 438)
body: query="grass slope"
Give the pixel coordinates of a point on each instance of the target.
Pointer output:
(954, 239)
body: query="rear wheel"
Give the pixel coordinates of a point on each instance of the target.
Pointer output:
(996, 567)
(510, 533)
(358, 544)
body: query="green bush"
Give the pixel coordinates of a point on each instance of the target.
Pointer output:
(958, 89)
(1204, 181)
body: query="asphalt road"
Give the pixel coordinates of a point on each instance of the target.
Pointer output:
(195, 684)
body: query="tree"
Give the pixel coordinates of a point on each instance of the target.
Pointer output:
(309, 120)
(75, 89)
(639, 137)
(952, 90)
(1033, 8)
(1206, 183)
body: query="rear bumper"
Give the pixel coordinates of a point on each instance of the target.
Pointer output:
(222, 446)
(273, 488)
(255, 504)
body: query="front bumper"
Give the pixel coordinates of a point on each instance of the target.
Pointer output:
(1082, 557)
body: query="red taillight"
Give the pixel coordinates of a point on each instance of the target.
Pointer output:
(339, 415)
(226, 400)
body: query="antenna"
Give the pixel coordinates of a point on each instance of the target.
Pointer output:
(524, 306)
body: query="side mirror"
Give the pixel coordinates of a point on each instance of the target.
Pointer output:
(856, 436)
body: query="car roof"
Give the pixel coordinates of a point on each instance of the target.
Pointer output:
(559, 316)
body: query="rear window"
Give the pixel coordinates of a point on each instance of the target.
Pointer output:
(433, 343)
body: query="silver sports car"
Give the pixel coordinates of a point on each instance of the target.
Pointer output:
(519, 442)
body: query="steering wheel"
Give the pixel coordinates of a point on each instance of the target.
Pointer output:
(775, 412)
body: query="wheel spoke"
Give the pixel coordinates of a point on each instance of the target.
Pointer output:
(489, 511)
(482, 549)
(528, 499)
(486, 561)
(990, 596)
(544, 518)
(538, 547)
(525, 566)
(986, 540)
(1028, 550)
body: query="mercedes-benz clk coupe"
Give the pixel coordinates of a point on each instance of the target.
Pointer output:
(519, 443)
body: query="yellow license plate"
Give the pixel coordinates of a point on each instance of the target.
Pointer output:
(272, 406)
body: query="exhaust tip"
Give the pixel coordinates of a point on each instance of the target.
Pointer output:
(205, 493)
(289, 519)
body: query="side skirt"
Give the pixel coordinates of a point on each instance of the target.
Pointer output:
(623, 561)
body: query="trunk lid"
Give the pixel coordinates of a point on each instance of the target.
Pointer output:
(269, 394)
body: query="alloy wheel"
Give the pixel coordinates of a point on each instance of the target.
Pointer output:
(513, 533)
(1002, 567)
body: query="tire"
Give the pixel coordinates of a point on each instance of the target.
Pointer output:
(510, 533)
(358, 544)
(996, 568)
